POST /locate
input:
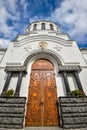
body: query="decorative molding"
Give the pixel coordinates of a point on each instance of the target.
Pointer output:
(44, 52)
(43, 38)
(61, 67)
(27, 48)
(15, 68)
(69, 68)
(43, 45)
(57, 48)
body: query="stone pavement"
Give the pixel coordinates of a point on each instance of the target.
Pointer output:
(43, 128)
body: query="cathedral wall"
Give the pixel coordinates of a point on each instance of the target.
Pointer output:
(2, 78)
(72, 82)
(67, 54)
(13, 82)
(83, 78)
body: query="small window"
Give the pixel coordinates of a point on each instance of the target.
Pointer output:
(35, 26)
(43, 26)
(51, 27)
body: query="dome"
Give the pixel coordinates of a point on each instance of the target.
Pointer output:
(42, 25)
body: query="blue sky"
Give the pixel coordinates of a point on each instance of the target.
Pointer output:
(70, 15)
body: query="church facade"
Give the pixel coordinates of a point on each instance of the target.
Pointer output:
(43, 64)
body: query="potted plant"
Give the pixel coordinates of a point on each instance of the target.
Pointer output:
(77, 93)
(9, 93)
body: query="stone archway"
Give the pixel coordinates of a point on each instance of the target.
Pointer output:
(44, 52)
(42, 107)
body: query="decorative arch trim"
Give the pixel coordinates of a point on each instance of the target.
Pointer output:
(47, 53)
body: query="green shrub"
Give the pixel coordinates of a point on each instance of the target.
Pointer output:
(77, 93)
(9, 93)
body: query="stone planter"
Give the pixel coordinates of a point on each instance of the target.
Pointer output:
(12, 111)
(73, 112)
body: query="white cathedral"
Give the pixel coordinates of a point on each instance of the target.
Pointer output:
(41, 66)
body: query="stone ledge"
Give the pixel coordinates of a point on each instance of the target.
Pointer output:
(75, 120)
(11, 105)
(75, 114)
(11, 110)
(10, 120)
(73, 109)
(73, 100)
(75, 126)
(11, 126)
(11, 115)
(13, 100)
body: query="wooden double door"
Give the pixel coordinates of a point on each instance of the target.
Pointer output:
(42, 109)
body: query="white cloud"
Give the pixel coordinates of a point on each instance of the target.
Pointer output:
(72, 17)
(4, 43)
(72, 14)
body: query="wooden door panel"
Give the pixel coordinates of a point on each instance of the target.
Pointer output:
(50, 108)
(33, 115)
(42, 108)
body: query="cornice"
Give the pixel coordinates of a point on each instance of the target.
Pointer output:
(43, 38)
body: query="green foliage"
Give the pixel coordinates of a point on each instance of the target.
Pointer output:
(9, 93)
(77, 93)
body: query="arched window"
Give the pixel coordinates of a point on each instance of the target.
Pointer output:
(35, 26)
(43, 26)
(51, 27)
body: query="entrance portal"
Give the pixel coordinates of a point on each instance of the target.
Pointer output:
(42, 107)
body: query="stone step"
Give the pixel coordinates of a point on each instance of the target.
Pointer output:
(72, 127)
(12, 110)
(13, 100)
(11, 115)
(10, 126)
(11, 105)
(11, 120)
(75, 120)
(73, 109)
(74, 104)
(75, 115)
(73, 100)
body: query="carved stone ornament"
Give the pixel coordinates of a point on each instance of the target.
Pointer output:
(43, 45)
(27, 48)
(58, 48)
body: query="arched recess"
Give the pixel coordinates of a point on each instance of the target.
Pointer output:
(44, 52)
(42, 107)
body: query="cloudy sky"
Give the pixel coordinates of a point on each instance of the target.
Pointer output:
(70, 15)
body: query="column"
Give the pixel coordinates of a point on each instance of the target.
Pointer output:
(17, 91)
(64, 74)
(6, 85)
(76, 75)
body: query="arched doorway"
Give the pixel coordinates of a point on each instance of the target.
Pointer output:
(42, 107)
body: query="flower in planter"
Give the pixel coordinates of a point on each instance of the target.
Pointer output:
(9, 93)
(77, 93)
